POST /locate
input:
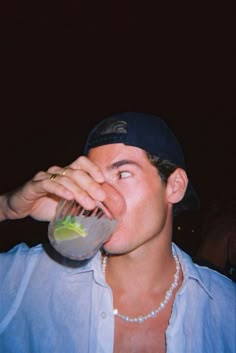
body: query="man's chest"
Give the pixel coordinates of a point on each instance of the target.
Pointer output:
(148, 337)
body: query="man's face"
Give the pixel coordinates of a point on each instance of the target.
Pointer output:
(147, 213)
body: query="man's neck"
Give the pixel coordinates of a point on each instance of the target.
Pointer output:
(141, 271)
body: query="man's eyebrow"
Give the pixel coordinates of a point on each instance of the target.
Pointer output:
(118, 164)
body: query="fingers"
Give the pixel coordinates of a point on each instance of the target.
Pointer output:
(82, 179)
(46, 183)
(81, 163)
(89, 167)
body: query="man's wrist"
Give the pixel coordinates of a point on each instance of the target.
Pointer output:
(6, 211)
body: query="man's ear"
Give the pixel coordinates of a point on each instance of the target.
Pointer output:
(176, 185)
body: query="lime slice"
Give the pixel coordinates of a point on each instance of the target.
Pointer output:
(67, 229)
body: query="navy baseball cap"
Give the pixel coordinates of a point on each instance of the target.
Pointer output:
(148, 132)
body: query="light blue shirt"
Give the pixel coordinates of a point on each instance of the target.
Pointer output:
(47, 307)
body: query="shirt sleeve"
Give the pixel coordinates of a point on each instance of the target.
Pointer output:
(16, 267)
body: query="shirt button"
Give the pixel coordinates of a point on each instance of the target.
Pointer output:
(103, 315)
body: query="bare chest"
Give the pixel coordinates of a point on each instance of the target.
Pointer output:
(148, 337)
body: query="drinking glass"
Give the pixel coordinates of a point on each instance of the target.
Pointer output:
(77, 233)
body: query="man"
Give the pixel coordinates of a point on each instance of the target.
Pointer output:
(142, 294)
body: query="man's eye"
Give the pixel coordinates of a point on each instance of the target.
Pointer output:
(123, 175)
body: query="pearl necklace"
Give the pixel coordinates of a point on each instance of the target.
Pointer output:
(153, 313)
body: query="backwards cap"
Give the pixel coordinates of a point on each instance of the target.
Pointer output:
(148, 132)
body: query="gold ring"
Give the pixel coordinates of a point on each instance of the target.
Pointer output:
(53, 176)
(64, 171)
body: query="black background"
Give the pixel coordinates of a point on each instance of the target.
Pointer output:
(66, 65)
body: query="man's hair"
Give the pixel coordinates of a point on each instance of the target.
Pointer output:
(164, 167)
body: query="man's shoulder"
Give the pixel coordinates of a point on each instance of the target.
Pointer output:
(213, 281)
(15, 261)
(215, 276)
(21, 250)
(219, 285)
(16, 267)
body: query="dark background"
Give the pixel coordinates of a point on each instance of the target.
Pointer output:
(66, 65)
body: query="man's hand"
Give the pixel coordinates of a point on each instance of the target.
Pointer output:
(38, 198)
